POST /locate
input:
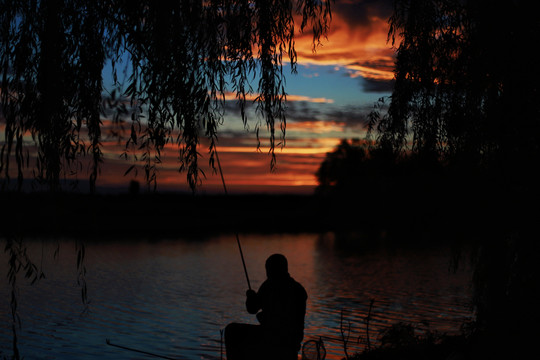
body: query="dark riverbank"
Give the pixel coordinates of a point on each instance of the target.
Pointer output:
(172, 214)
(156, 215)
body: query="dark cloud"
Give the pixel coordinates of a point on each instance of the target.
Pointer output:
(352, 116)
(301, 111)
(360, 12)
(375, 73)
(376, 85)
(382, 64)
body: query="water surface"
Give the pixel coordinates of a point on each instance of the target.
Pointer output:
(174, 297)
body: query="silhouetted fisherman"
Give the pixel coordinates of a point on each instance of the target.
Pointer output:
(282, 302)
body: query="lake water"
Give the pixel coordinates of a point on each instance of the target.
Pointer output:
(173, 297)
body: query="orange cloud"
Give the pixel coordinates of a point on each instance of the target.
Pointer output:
(370, 72)
(296, 167)
(319, 100)
(360, 47)
(251, 97)
(245, 169)
(317, 127)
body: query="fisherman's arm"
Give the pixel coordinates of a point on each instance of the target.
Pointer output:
(253, 303)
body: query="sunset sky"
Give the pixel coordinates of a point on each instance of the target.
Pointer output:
(328, 100)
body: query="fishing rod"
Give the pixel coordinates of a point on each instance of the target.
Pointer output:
(139, 351)
(236, 233)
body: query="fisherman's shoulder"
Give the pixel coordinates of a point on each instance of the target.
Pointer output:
(299, 289)
(265, 286)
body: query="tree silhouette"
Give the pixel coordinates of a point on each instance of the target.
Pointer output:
(181, 58)
(341, 170)
(466, 94)
(465, 90)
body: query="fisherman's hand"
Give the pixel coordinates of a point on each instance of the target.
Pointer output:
(250, 293)
(261, 317)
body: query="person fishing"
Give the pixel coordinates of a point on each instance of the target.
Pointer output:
(280, 305)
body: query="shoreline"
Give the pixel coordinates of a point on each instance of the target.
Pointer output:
(166, 215)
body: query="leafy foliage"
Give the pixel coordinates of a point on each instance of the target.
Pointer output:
(343, 168)
(464, 90)
(465, 96)
(180, 58)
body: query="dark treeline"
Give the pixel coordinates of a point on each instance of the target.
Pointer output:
(390, 190)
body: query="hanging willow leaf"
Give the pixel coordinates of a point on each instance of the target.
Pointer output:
(129, 170)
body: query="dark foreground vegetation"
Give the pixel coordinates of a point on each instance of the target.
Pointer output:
(401, 342)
